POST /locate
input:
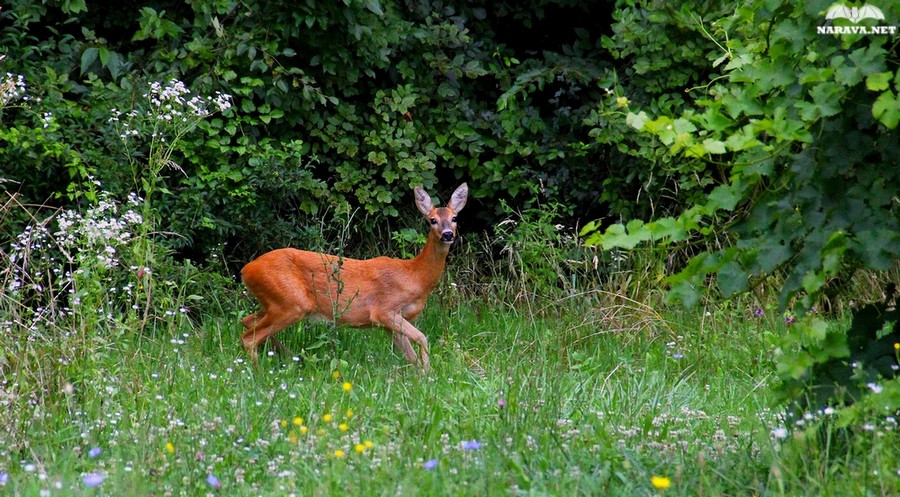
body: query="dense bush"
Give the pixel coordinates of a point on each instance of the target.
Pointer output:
(345, 106)
(802, 127)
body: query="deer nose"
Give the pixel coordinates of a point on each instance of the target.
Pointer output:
(447, 236)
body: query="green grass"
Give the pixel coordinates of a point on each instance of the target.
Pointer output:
(583, 401)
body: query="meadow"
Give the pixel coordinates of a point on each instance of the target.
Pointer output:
(593, 394)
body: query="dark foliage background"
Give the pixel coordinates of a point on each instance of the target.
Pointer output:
(343, 106)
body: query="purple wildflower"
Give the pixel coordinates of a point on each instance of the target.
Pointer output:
(430, 464)
(501, 402)
(471, 445)
(94, 479)
(4, 478)
(213, 482)
(789, 319)
(677, 356)
(758, 312)
(95, 452)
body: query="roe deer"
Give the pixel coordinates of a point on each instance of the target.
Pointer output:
(292, 284)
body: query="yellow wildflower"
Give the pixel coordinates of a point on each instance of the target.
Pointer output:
(303, 430)
(368, 444)
(170, 447)
(661, 482)
(284, 423)
(343, 427)
(359, 448)
(896, 346)
(348, 414)
(298, 421)
(347, 386)
(336, 374)
(339, 453)
(327, 418)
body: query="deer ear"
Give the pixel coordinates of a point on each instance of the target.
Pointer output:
(458, 199)
(423, 201)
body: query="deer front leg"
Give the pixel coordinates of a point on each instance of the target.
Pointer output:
(405, 332)
(402, 343)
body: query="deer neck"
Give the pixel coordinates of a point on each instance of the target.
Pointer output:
(429, 264)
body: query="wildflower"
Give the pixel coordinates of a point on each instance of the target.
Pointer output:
(430, 464)
(4, 478)
(677, 356)
(348, 414)
(93, 479)
(780, 433)
(896, 346)
(298, 421)
(170, 448)
(471, 445)
(336, 374)
(303, 430)
(359, 448)
(661, 482)
(343, 427)
(339, 453)
(327, 418)
(501, 403)
(758, 312)
(368, 444)
(213, 482)
(347, 386)
(94, 452)
(284, 423)
(876, 388)
(789, 319)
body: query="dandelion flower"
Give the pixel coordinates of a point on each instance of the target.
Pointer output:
(170, 448)
(359, 448)
(368, 444)
(327, 418)
(298, 421)
(284, 423)
(347, 386)
(336, 375)
(339, 453)
(896, 346)
(93, 479)
(348, 414)
(343, 427)
(661, 482)
(303, 430)
(430, 464)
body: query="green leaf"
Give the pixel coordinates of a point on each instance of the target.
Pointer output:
(374, 6)
(88, 57)
(636, 121)
(878, 81)
(714, 146)
(887, 109)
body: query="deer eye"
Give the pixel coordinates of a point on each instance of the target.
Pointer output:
(433, 221)
(453, 219)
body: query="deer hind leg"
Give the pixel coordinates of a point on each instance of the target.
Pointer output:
(407, 333)
(263, 325)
